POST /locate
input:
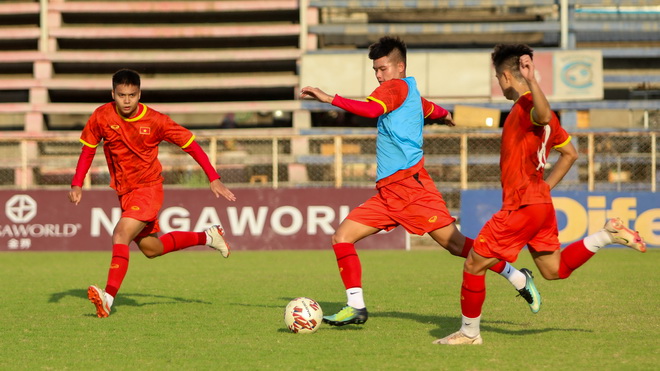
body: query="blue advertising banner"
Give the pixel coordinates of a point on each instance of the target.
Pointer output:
(579, 213)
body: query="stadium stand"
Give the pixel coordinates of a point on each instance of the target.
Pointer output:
(204, 61)
(626, 31)
(244, 55)
(57, 57)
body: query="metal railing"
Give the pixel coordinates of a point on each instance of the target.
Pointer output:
(609, 161)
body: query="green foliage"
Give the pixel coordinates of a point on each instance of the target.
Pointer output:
(196, 310)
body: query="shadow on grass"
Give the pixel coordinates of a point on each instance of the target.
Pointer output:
(448, 325)
(128, 299)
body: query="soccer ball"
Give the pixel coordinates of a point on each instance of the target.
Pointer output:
(303, 316)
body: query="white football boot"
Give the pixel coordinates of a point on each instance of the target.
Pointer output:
(458, 338)
(624, 236)
(99, 298)
(217, 241)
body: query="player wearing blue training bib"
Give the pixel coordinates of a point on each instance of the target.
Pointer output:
(406, 194)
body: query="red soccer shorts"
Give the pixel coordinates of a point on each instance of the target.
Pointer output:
(143, 204)
(508, 231)
(413, 202)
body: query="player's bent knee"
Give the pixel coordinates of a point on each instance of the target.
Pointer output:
(151, 254)
(550, 276)
(456, 251)
(341, 238)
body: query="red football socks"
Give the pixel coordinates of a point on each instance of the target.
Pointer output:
(118, 268)
(473, 294)
(572, 257)
(349, 265)
(499, 267)
(467, 246)
(172, 241)
(175, 241)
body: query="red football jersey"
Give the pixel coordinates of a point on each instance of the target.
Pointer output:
(524, 150)
(131, 144)
(392, 93)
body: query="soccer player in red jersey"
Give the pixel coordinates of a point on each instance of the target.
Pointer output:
(527, 216)
(131, 132)
(407, 195)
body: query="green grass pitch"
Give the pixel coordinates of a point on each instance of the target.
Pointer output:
(196, 310)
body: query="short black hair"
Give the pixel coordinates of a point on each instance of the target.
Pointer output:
(507, 56)
(385, 46)
(125, 76)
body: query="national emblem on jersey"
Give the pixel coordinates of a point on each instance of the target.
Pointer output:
(114, 127)
(145, 130)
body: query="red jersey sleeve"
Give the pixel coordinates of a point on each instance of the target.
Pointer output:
(365, 109)
(84, 163)
(197, 153)
(91, 135)
(182, 137)
(390, 94)
(175, 133)
(432, 110)
(560, 137)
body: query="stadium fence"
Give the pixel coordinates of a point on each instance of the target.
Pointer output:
(609, 161)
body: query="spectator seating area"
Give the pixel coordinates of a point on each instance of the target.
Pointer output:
(204, 61)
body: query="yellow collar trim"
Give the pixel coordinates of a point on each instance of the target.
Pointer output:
(132, 119)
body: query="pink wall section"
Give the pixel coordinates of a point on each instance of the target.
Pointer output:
(260, 219)
(544, 65)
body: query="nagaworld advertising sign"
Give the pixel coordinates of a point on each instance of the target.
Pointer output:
(579, 213)
(260, 219)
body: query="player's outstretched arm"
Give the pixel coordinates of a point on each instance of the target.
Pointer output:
(219, 189)
(316, 93)
(368, 108)
(435, 112)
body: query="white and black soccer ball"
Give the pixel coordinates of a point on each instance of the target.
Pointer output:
(303, 315)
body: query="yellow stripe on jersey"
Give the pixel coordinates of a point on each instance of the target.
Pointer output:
(141, 115)
(88, 144)
(379, 102)
(192, 139)
(564, 143)
(531, 117)
(430, 112)
(525, 93)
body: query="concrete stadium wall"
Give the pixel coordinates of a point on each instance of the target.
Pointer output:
(564, 75)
